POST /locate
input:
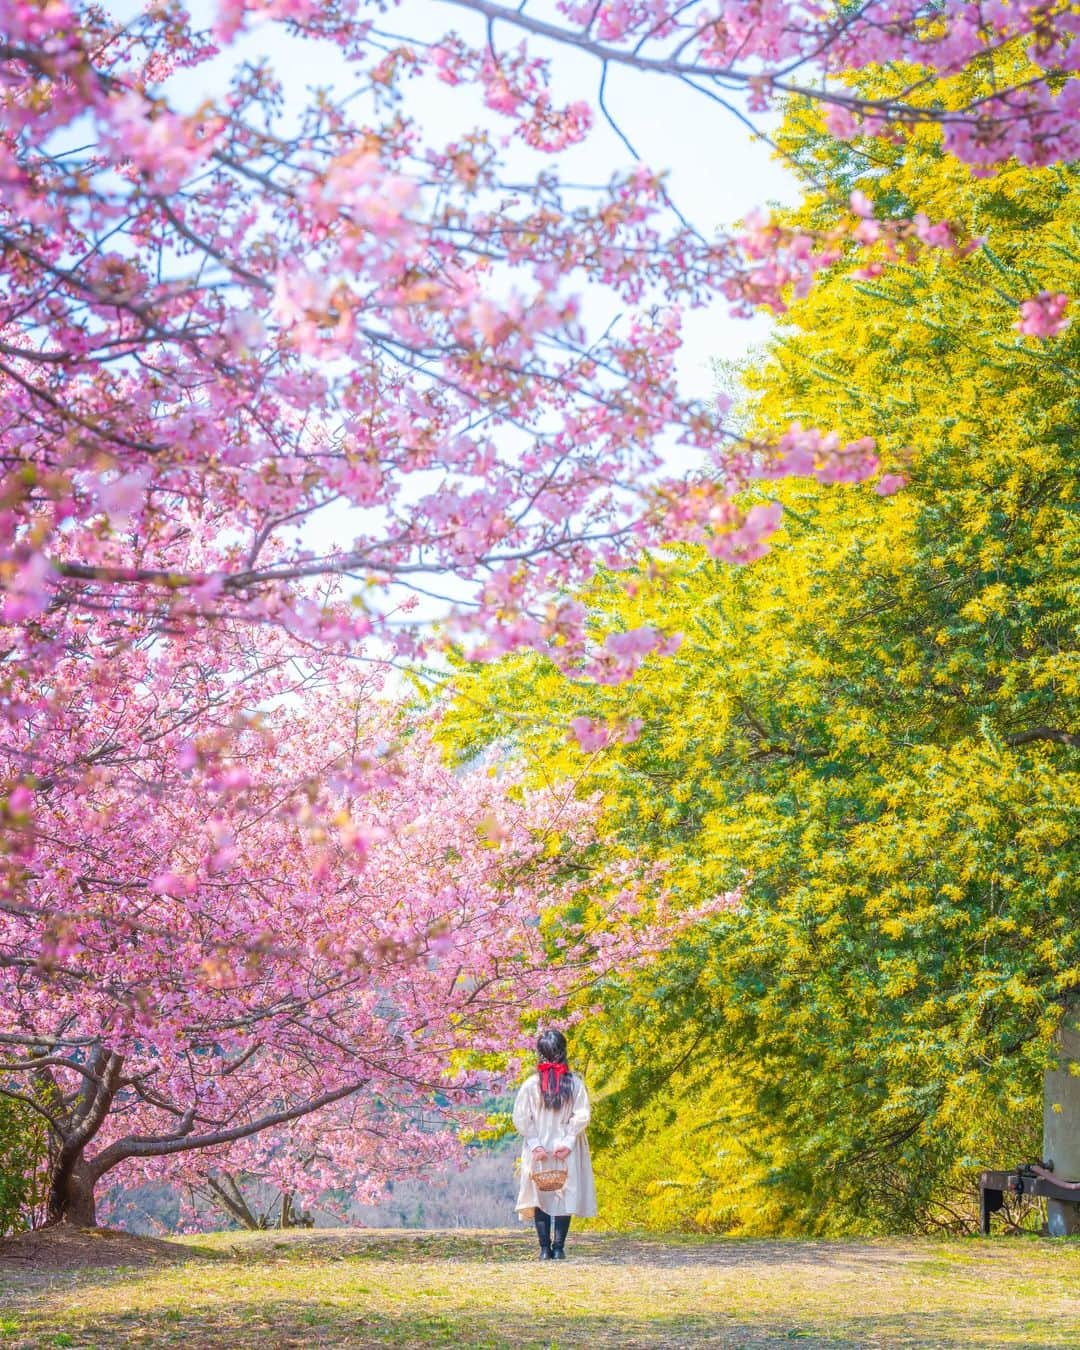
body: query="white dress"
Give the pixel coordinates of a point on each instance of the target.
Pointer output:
(544, 1128)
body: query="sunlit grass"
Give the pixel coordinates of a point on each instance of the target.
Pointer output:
(484, 1289)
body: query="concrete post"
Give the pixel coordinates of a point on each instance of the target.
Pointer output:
(1061, 1123)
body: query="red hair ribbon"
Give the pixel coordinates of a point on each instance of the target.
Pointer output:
(551, 1076)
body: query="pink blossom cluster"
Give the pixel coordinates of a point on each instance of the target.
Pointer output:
(515, 85)
(806, 451)
(1044, 315)
(717, 516)
(775, 47)
(783, 261)
(592, 735)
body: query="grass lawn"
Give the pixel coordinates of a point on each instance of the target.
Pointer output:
(359, 1288)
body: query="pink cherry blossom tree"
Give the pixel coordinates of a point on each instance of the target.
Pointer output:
(231, 919)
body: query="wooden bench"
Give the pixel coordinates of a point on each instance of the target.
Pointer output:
(1027, 1179)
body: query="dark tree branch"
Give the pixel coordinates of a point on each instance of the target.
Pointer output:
(151, 1146)
(1070, 738)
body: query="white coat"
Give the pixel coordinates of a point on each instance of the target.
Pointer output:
(564, 1128)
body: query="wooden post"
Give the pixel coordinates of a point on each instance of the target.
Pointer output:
(1061, 1123)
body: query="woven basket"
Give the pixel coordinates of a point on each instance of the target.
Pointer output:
(549, 1174)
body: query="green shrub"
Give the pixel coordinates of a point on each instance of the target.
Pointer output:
(22, 1166)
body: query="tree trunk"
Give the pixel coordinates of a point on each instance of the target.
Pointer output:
(71, 1194)
(71, 1184)
(1061, 1123)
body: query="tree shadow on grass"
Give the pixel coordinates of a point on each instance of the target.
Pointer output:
(48, 1256)
(289, 1324)
(509, 1246)
(292, 1325)
(484, 1289)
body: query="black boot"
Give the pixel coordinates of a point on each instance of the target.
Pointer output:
(562, 1227)
(543, 1232)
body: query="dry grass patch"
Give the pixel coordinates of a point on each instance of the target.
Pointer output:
(361, 1288)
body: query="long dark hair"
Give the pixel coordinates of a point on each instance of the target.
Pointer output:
(556, 1089)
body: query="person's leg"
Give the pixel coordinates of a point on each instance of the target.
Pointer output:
(562, 1227)
(543, 1232)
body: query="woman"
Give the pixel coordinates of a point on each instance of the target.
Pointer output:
(551, 1112)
